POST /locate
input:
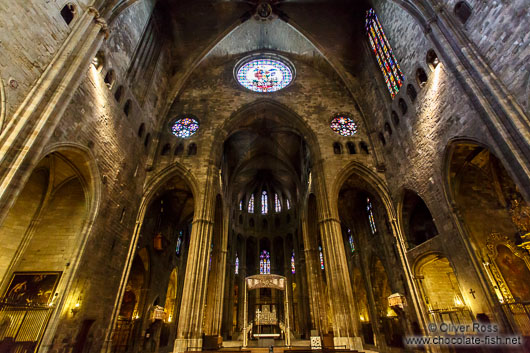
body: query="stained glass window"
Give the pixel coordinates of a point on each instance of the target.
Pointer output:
(383, 53)
(264, 75)
(321, 257)
(277, 203)
(251, 204)
(293, 267)
(264, 202)
(241, 205)
(343, 125)
(265, 263)
(288, 204)
(371, 219)
(237, 265)
(179, 242)
(185, 127)
(350, 240)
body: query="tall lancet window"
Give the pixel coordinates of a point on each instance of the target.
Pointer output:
(241, 205)
(350, 240)
(394, 78)
(321, 257)
(237, 265)
(288, 204)
(211, 253)
(179, 242)
(251, 204)
(264, 202)
(265, 263)
(277, 203)
(371, 219)
(293, 267)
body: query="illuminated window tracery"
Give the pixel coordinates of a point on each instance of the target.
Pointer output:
(265, 263)
(371, 219)
(251, 204)
(264, 202)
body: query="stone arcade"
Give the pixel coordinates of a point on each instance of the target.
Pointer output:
(191, 175)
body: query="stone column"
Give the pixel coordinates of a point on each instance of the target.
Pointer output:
(345, 330)
(189, 331)
(33, 123)
(317, 305)
(214, 305)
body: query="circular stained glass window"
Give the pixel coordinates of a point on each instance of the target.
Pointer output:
(264, 74)
(185, 127)
(343, 125)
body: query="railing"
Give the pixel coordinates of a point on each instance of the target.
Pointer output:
(519, 315)
(22, 327)
(455, 316)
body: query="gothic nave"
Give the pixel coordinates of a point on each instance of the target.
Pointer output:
(257, 175)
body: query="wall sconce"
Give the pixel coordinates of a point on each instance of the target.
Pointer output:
(76, 307)
(169, 318)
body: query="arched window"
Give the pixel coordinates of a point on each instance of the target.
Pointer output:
(402, 106)
(264, 202)
(432, 59)
(395, 118)
(141, 130)
(350, 240)
(237, 265)
(351, 147)
(371, 220)
(147, 140)
(166, 149)
(388, 129)
(364, 147)
(251, 204)
(192, 149)
(179, 242)
(288, 204)
(411, 92)
(321, 256)
(421, 77)
(99, 60)
(68, 13)
(241, 205)
(109, 79)
(127, 107)
(382, 139)
(293, 267)
(210, 262)
(463, 11)
(118, 94)
(277, 203)
(383, 53)
(179, 149)
(265, 263)
(337, 148)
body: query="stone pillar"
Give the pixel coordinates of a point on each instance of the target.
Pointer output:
(214, 304)
(345, 330)
(189, 331)
(317, 305)
(33, 123)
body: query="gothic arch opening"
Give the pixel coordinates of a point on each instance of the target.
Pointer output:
(418, 224)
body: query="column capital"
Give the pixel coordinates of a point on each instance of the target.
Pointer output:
(99, 20)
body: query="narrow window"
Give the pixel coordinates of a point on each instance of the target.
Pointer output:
(364, 147)
(350, 240)
(118, 94)
(237, 265)
(251, 204)
(264, 202)
(293, 266)
(421, 77)
(192, 149)
(382, 138)
(411, 92)
(166, 149)
(321, 257)
(402, 106)
(463, 11)
(371, 219)
(388, 129)
(395, 118)
(179, 242)
(68, 13)
(432, 59)
(141, 130)
(99, 60)
(351, 148)
(277, 204)
(265, 263)
(383, 53)
(241, 205)
(179, 149)
(288, 204)
(109, 79)
(147, 140)
(127, 107)
(337, 148)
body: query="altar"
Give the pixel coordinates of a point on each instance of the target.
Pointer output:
(267, 324)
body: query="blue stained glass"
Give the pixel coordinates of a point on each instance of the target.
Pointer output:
(241, 205)
(293, 267)
(321, 257)
(185, 127)
(394, 78)
(350, 240)
(237, 265)
(343, 125)
(265, 263)
(277, 203)
(264, 202)
(288, 204)
(371, 219)
(179, 242)
(251, 204)
(264, 75)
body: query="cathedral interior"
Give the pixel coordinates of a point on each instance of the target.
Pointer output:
(263, 175)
